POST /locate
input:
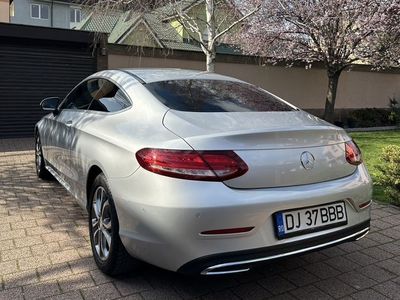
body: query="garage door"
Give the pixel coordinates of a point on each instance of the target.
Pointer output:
(31, 70)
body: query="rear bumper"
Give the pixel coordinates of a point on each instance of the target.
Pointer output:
(241, 261)
(161, 218)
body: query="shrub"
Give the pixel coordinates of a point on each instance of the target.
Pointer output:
(370, 117)
(389, 173)
(394, 107)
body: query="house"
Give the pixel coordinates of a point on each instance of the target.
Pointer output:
(46, 13)
(159, 28)
(5, 11)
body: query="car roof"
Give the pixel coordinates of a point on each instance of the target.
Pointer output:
(148, 75)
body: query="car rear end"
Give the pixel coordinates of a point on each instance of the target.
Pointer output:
(259, 180)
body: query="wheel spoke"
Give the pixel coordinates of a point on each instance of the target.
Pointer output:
(95, 223)
(107, 237)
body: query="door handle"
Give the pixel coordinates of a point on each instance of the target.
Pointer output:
(68, 123)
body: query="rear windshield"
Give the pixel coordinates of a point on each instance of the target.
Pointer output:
(199, 95)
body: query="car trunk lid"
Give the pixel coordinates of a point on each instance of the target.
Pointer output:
(280, 148)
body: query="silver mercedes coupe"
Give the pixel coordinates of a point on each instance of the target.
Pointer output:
(200, 173)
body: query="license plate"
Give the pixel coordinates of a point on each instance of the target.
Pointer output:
(310, 219)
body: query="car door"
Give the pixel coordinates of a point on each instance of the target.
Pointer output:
(64, 135)
(107, 99)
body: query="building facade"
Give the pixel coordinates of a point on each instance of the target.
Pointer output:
(46, 13)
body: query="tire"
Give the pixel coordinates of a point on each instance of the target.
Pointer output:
(41, 170)
(109, 253)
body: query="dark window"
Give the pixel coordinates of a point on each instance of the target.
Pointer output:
(82, 95)
(199, 95)
(109, 98)
(72, 15)
(44, 12)
(35, 11)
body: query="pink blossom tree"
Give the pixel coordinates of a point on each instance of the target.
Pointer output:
(338, 33)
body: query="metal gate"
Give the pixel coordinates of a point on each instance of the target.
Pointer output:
(34, 68)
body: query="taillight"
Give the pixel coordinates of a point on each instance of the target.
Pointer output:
(194, 165)
(353, 153)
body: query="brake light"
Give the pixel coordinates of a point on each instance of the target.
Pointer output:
(193, 165)
(353, 153)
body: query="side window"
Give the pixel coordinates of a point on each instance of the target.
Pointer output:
(109, 98)
(82, 95)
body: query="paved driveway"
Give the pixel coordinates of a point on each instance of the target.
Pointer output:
(45, 252)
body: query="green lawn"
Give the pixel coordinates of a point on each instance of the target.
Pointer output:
(371, 144)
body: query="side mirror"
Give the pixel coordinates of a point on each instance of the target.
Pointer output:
(50, 104)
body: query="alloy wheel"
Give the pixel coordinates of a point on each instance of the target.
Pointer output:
(38, 153)
(101, 223)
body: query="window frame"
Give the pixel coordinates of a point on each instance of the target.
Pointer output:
(75, 10)
(40, 5)
(32, 5)
(94, 111)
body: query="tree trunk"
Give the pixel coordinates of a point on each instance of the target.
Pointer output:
(211, 62)
(333, 82)
(211, 25)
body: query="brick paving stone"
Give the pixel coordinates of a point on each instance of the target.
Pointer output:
(251, 290)
(15, 253)
(45, 252)
(310, 292)
(357, 280)
(105, 291)
(392, 248)
(380, 238)
(8, 267)
(322, 270)
(391, 265)
(380, 224)
(342, 264)
(41, 290)
(28, 241)
(76, 282)
(187, 289)
(377, 273)
(74, 295)
(14, 294)
(127, 286)
(12, 234)
(366, 243)
(361, 258)
(368, 294)
(20, 279)
(377, 253)
(54, 271)
(389, 289)
(64, 256)
(300, 277)
(99, 277)
(333, 251)
(6, 245)
(334, 287)
(276, 284)
(33, 262)
(82, 265)
(223, 295)
(24, 224)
